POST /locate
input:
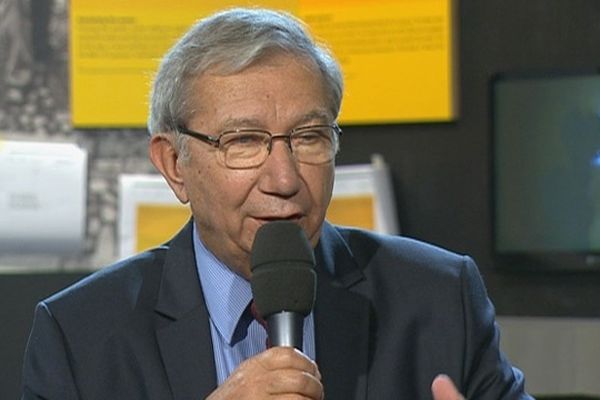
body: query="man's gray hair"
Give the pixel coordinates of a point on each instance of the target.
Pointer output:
(228, 42)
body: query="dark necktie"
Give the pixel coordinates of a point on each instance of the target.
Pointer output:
(260, 320)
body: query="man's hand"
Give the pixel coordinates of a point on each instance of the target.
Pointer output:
(443, 389)
(278, 372)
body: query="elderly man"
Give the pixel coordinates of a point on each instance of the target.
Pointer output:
(243, 124)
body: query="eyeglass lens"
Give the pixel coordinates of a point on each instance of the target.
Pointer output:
(249, 149)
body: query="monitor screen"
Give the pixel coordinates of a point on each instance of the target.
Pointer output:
(546, 167)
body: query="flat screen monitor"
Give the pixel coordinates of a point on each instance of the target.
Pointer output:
(546, 170)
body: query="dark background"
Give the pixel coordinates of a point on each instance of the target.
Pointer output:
(441, 171)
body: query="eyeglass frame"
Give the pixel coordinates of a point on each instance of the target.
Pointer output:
(215, 141)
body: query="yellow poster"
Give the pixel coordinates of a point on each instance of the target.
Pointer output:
(157, 223)
(357, 211)
(396, 55)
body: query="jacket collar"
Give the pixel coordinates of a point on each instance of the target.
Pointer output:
(183, 328)
(341, 319)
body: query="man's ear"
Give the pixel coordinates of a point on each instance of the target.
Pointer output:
(164, 156)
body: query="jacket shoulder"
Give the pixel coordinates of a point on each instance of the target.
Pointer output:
(109, 296)
(375, 250)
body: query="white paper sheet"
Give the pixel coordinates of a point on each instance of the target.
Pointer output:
(42, 197)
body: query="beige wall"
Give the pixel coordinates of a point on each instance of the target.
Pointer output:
(558, 355)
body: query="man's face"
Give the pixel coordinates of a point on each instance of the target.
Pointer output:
(229, 205)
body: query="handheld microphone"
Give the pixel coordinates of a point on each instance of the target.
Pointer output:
(283, 280)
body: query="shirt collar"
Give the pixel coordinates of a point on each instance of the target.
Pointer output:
(226, 293)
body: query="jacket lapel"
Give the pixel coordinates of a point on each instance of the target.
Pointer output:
(183, 332)
(341, 320)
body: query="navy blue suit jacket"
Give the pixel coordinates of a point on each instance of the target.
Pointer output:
(396, 313)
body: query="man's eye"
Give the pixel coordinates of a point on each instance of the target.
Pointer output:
(310, 137)
(245, 139)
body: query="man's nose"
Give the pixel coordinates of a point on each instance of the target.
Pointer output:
(280, 174)
(283, 138)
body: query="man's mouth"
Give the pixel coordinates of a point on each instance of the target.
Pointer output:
(270, 218)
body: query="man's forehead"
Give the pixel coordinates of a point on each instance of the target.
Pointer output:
(313, 116)
(269, 58)
(235, 89)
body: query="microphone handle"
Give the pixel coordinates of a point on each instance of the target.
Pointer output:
(286, 328)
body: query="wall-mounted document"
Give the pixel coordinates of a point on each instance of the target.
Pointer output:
(42, 197)
(150, 214)
(363, 197)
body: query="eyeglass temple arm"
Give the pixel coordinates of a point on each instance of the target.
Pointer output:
(200, 136)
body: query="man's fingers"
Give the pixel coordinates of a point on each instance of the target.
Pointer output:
(294, 373)
(278, 358)
(279, 372)
(296, 382)
(443, 389)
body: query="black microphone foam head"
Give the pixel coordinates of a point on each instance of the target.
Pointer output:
(283, 275)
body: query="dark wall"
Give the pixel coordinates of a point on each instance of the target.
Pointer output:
(442, 171)
(19, 294)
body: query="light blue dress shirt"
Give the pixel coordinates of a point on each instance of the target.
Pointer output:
(236, 335)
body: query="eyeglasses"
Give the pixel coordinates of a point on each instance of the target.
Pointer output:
(249, 148)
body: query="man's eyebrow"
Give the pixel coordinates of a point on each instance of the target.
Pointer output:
(321, 116)
(234, 123)
(315, 115)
